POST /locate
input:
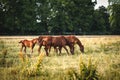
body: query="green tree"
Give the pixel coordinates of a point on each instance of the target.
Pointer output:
(80, 13)
(26, 16)
(114, 9)
(43, 15)
(101, 21)
(48, 16)
(72, 15)
(19, 16)
(2, 17)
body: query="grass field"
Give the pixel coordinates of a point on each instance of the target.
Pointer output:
(101, 60)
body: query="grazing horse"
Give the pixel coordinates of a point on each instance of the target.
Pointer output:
(28, 43)
(56, 42)
(59, 42)
(45, 41)
(74, 40)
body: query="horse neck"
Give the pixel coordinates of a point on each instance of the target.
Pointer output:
(79, 43)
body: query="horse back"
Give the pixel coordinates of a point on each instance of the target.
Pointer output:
(71, 39)
(58, 41)
(45, 40)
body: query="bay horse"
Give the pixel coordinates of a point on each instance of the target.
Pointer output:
(28, 43)
(59, 41)
(74, 40)
(56, 42)
(45, 41)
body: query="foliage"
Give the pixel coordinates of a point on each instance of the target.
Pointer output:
(32, 69)
(101, 22)
(71, 74)
(85, 72)
(88, 71)
(19, 17)
(94, 63)
(114, 9)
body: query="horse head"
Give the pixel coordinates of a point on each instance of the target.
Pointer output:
(82, 48)
(72, 49)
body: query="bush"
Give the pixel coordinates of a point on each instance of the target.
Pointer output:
(88, 71)
(32, 69)
(71, 74)
(85, 72)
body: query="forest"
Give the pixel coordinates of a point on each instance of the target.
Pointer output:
(54, 17)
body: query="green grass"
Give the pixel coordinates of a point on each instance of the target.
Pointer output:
(100, 51)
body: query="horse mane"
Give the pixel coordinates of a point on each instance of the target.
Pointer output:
(78, 41)
(79, 44)
(75, 40)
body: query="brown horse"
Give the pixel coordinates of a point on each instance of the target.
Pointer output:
(74, 40)
(56, 42)
(59, 42)
(28, 43)
(45, 41)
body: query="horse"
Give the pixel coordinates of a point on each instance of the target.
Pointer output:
(74, 40)
(45, 41)
(28, 43)
(56, 42)
(59, 41)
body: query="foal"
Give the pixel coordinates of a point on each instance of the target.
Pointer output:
(28, 43)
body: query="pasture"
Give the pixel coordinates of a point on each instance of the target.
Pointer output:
(101, 60)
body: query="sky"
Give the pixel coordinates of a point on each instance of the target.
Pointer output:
(101, 2)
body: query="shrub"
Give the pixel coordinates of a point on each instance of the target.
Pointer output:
(71, 74)
(88, 71)
(85, 72)
(32, 69)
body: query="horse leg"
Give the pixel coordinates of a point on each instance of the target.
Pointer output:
(72, 50)
(49, 49)
(32, 50)
(46, 49)
(39, 49)
(55, 49)
(21, 48)
(33, 47)
(66, 49)
(60, 48)
(25, 49)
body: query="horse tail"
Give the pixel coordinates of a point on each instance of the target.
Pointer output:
(21, 41)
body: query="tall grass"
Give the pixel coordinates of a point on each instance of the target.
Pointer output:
(31, 68)
(99, 62)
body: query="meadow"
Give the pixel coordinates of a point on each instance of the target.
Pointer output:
(101, 60)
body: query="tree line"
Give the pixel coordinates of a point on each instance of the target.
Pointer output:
(32, 17)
